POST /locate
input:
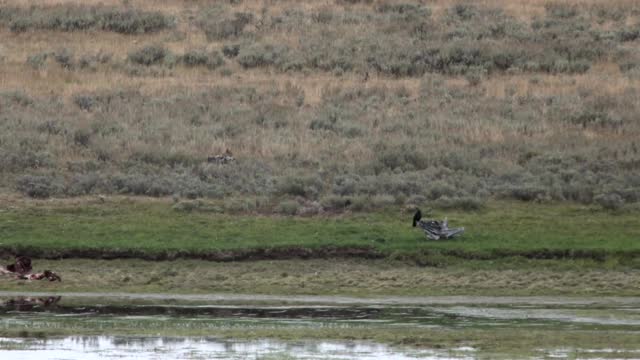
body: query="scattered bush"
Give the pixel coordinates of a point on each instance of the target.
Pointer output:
(134, 22)
(561, 10)
(463, 12)
(332, 120)
(403, 157)
(84, 184)
(368, 203)
(38, 61)
(139, 184)
(595, 118)
(335, 203)
(462, 203)
(187, 206)
(308, 187)
(92, 61)
(231, 51)
(287, 207)
(263, 55)
(628, 35)
(84, 102)
(81, 18)
(461, 42)
(21, 158)
(353, 145)
(439, 189)
(196, 205)
(416, 200)
(219, 25)
(64, 57)
(17, 97)
(149, 55)
(236, 205)
(610, 201)
(38, 186)
(82, 137)
(195, 58)
(211, 60)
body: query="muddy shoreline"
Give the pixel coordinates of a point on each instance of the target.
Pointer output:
(329, 252)
(347, 300)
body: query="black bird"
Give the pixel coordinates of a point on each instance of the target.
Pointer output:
(22, 265)
(434, 229)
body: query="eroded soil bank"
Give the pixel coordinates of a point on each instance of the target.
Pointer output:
(355, 277)
(431, 257)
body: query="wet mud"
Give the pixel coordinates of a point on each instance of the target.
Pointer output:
(331, 252)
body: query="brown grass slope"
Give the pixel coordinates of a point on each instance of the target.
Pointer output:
(323, 103)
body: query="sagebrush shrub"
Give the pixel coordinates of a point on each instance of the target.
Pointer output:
(287, 207)
(64, 57)
(263, 55)
(466, 203)
(17, 97)
(38, 186)
(211, 60)
(38, 61)
(149, 55)
(80, 18)
(610, 201)
(217, 24)
(307, 186)
(84, 102)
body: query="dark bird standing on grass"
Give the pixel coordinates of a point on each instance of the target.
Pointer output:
(434, 229)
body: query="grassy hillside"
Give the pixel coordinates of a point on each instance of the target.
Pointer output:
(325, 104)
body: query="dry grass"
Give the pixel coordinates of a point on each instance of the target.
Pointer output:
(326, 277)
(15, 74)
(509, 114)
(521, 9)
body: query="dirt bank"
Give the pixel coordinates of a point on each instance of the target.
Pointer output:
(424, 257)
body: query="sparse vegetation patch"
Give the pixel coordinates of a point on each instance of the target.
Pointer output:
(83, 18)
(353, 106)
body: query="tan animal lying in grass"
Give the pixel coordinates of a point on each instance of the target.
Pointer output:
(21, 269)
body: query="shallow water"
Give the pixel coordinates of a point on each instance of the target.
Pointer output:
(168, 328)
(39, 311)
(100, 347)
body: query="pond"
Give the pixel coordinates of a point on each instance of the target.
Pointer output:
(100, 347)
(92, 326)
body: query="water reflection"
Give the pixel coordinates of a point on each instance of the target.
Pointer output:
(100, 347)
(26, 317)
(48, 309)
(25, 303)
